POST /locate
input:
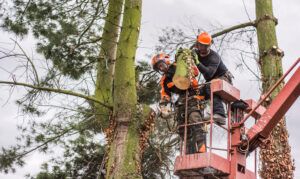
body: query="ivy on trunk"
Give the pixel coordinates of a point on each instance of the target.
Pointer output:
(275, 153)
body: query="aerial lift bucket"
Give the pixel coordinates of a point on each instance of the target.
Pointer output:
(209, 164)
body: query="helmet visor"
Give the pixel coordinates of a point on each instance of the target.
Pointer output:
(161, 66)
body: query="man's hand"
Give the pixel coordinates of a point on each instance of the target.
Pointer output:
(165, 108)
(165, 111)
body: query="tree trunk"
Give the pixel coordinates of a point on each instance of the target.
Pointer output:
(124, 154)
(106, 64)
(275, 153)
(184, 70)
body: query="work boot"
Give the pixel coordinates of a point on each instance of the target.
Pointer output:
(202, 149)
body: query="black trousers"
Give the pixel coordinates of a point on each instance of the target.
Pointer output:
(218, 107)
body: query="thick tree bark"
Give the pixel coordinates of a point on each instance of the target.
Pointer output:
(124, 153)
(104, 82)
(275, 153)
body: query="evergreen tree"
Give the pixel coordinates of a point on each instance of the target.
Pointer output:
(69, 33)
(76, 131)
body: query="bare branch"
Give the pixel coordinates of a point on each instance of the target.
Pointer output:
(255, 74)
(30, 61)
(11, 55)
(246, 10)
(91, 23)
(239, 26)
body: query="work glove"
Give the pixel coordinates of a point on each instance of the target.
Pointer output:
(165, 108)
(195, 57)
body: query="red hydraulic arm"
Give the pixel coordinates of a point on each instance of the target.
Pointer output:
(279, 106)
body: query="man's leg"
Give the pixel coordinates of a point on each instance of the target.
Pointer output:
(190, 147)
(180, 121)
(198, 142)
(217, 102)
(218, 108)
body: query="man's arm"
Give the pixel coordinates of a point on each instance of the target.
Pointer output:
(165, 93)
(210, 70)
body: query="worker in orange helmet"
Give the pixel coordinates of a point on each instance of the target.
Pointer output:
(196, 137)
(212, 67)
(162, 64)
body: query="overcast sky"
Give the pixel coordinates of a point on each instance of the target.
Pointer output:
(161, 13)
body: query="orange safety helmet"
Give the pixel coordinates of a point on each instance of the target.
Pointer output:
(160, 58)
(204, 38)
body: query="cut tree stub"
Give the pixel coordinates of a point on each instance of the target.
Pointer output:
(181, 82)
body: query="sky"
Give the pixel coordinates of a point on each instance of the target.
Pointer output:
(158, 14)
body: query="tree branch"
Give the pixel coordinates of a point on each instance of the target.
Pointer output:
(43, 144)
(243, 25)
(30, 61)
(11, 55)
(54, 138)
(62, 91)
(254, 73)
(91, 23)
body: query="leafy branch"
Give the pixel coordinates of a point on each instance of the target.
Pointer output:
(61, 91)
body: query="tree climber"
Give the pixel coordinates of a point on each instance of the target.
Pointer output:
(212, 67)
(196, 135)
